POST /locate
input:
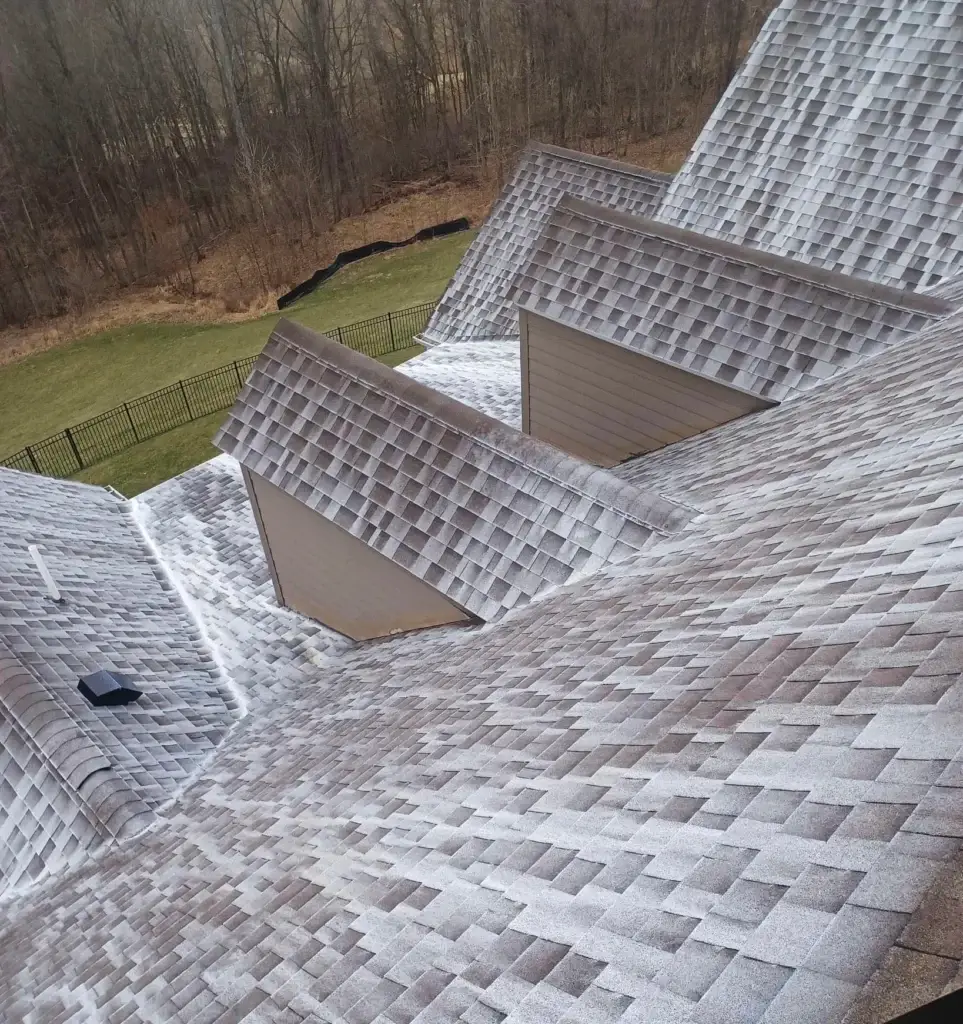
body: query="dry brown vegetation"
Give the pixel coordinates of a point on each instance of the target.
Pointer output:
(137, 134)
(195, 158)
(226, 286)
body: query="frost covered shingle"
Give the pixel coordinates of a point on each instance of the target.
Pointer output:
(72, 776)
(486, 515)
(717, 780)
(766, 325)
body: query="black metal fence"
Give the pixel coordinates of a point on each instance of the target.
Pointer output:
(113, 432)
(382, 335)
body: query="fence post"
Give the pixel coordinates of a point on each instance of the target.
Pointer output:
(365, 335)
(130, 420)
(187, 404)
(73, 445)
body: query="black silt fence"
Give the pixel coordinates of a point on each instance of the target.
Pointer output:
(449, 227)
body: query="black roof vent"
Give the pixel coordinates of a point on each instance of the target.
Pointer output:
(108, 689)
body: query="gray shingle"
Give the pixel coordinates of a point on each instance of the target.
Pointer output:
(837, 143)
(77, 776)
(489, 548)
(476, 305)
(401, 829)
(762, 324)
(468, 766)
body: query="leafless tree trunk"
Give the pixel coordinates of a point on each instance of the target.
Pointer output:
(133, 132)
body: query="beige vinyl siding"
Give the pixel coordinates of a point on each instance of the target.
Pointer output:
(604, 403)
(323, 572)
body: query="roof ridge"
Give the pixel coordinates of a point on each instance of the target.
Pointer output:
(577, 156)
(610, 489)
(843, 284)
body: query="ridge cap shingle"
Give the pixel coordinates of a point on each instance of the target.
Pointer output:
(830, 280)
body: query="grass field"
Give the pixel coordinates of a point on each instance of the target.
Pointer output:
(49, 391)
(141, 467)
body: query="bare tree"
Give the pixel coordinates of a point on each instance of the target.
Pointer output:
(135, 132)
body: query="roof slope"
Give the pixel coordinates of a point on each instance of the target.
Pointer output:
(950, 290)
(59, 796)
(486, 515)
(202, 526)
(765, 325)
(486, 376)
(476, 304)
(119, 611)
(717, 783)
(838, 143)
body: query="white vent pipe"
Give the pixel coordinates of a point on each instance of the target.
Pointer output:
(52, 588)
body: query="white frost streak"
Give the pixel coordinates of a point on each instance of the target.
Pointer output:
(483, 374)
(141, 515)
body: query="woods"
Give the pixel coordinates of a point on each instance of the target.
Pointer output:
(133, 133)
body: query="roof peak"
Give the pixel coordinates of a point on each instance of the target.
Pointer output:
(844, 284)
(607, 163)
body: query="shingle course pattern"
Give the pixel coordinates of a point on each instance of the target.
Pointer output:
(477, 304)
(718, 782)
(58, 794)
(762, 324)
(838, 143)
(487, 516)
(119, 611)
(202, 526)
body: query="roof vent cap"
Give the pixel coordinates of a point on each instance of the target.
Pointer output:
(106, 689)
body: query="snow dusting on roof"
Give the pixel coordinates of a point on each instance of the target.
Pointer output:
(485, 376)
(719, 781)
(73, 776)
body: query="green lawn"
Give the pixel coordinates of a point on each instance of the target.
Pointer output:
(154, 461)
(49, 391)
(141, 467)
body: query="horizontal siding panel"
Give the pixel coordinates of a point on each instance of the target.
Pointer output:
(624, 372)
(589, 351)
(586, 400)
(607, 448)
(551, 402)
(605, 404)
(597, 393)
(548, 425)
(577, 446)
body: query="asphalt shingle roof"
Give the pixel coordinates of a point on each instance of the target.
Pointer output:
(718, 782)
(477, 303)
(119, 611)
(765, 325)
(839, 143)
(486, 515)
(486, 376)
